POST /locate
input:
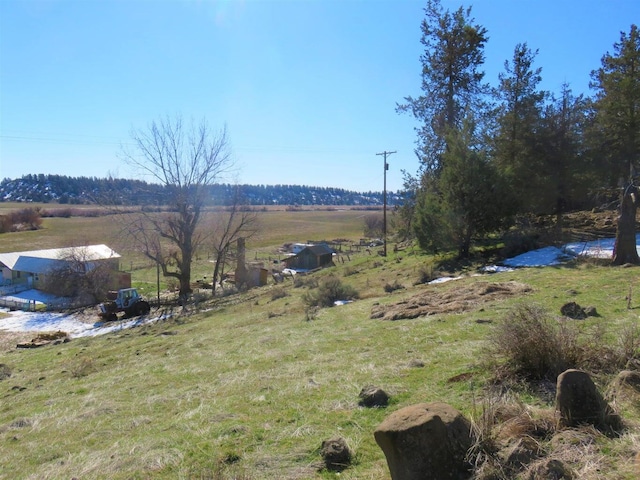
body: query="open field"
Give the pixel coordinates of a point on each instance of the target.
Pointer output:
(276, 227)
(250, 385)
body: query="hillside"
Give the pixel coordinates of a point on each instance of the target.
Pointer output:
(83, 190)
(248, 386)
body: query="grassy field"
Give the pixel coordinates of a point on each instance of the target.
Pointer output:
(276, 226)
(248, 386)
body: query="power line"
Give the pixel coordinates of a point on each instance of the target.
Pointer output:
(384, 200)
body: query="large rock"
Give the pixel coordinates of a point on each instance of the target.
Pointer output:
(578, 400)
(372, 396)
(427, 441)
(573, 310)
(336, 454)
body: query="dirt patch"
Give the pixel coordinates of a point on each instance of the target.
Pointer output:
(436, 300)
(9, 340)
(43, 339)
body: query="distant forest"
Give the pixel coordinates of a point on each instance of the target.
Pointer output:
(91, 190)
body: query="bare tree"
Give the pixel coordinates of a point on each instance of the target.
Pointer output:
(79, 276)
(373, 225)
(231, 224)
(186, 161)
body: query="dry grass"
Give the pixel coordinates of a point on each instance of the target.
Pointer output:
(440, 299)
(505, 424)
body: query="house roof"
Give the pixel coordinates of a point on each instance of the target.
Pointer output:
(317, 250)
(320, 249)
(39, 261)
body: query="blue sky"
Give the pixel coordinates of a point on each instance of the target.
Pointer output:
(306, 88)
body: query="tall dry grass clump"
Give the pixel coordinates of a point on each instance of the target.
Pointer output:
(535, 344)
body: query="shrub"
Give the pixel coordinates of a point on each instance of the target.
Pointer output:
(277, 293)
(6, 225)
(329, 290)
(350, 270)
(303, 281)
(25, 219)
(534, 343)
(425, 275)
(392, 287)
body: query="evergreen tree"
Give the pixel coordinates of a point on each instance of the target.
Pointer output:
(563, 177)
(518, 116)
(451, 79)
(617, 107)
(468, 199)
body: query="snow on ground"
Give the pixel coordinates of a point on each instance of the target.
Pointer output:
(17, 321)
(33, 296)
(543, 257)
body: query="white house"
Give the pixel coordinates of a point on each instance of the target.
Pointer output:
(30, 268)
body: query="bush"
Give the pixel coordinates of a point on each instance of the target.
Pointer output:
(300, 281)
(535, 344)
(392, 287)
(350, 270)
(538, 346)
(373, 225)
(329, 290)
(425, 275)
(25, 219)
(278, 293)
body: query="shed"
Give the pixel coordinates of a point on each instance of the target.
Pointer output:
(257, 276)
(311, 257)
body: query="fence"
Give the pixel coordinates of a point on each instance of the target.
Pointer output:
(9, 298)
(25, 305)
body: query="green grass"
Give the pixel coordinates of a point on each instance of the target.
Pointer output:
(248, 388)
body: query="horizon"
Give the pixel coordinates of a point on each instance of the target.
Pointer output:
(380, 191)
(307, 90)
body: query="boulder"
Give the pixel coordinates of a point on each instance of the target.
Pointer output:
(336, 454)
(371, 396)
(573, 310)
(578, 400)
(427, 441)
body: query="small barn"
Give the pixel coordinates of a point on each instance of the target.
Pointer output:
(257, 276)
(29, 269)
(311, 257)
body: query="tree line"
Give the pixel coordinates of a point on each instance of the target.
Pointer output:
(65, 190)
(490, 154)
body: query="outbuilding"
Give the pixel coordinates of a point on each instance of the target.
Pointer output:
(311, 257)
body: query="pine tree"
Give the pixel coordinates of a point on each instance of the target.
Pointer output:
(451, 78)
(518, 117)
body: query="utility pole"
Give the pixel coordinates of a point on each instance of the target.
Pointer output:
(384, 200)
